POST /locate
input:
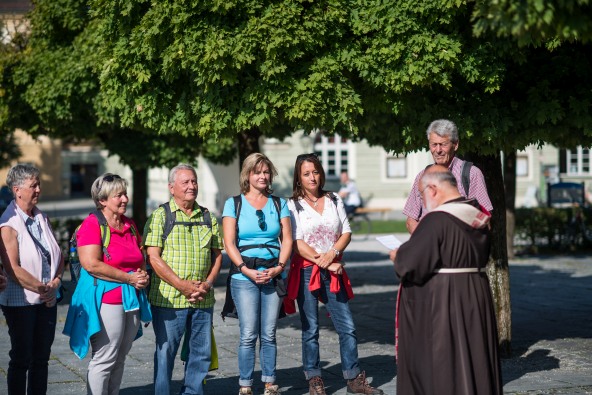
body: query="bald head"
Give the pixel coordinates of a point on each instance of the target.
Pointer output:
(440, 174)
(438, 185)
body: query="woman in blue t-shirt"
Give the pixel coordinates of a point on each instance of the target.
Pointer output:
(252, 242)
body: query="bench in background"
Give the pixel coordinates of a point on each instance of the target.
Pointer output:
(369, 210)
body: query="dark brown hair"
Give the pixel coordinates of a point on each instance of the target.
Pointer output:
(297, 190)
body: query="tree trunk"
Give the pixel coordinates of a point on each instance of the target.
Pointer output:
(497, 268)
(248, 143)
(510, 191)
(140, 187)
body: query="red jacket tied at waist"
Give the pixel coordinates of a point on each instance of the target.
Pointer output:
(297, 264)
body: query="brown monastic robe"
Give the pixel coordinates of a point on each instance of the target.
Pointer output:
(447, 326)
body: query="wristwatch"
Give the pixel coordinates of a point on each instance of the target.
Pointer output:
(282, 265)
(240, 267)
(336, 251)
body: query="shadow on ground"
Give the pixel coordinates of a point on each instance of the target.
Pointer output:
(547, 305)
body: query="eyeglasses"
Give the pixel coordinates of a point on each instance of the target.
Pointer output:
(261, 216)
(421, 192)
(108, 178)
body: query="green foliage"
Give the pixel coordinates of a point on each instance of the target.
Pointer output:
(502, 95)
(535, 22)
(220, 69)
(11, 47)
(56, 81)
(373, 69)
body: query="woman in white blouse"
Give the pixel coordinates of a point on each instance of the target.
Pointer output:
(321, 232)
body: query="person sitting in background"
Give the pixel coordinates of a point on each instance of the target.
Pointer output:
(349, 194)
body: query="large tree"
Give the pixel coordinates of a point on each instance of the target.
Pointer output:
(55, 88)
(379, 70)
(503, 95)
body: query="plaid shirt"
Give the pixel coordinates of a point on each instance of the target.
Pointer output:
(188, 252)
(414, 207)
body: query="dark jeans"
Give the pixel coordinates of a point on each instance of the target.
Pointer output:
(31, 330)
(350, 210)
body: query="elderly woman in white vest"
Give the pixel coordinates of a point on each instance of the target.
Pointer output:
(33, 263)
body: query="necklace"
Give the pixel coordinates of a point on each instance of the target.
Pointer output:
(117, 226)
(314, 202)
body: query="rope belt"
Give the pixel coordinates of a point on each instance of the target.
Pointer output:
(460, 270)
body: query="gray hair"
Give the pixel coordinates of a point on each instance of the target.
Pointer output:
(105, 186)
(18, 174)
(438, 177)
(443, 128)
(180, 166)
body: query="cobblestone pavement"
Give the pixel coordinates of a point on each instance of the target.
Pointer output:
(552, 335)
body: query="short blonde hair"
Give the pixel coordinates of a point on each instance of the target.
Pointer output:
(251, 163)
(105, 186)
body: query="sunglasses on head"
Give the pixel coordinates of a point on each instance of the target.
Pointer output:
(261, 216)
(307, 156)
(109, 178)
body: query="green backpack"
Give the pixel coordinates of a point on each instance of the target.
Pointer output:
(73, 258)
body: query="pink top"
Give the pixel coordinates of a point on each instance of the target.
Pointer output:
(123, 248)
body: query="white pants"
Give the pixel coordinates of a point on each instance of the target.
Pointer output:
(109, 349)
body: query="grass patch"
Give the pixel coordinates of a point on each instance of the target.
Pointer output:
(390, 226)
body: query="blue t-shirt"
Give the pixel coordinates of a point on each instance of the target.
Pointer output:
(251, 233)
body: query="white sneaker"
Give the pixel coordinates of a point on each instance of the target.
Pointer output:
(245, 391)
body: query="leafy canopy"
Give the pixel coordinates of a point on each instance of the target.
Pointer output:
(535, 22)
(373, 69)
(56, 82)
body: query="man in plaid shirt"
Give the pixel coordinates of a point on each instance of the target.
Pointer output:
(443, 142)
(185, 266)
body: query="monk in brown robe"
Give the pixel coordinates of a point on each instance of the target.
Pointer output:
(446, 326)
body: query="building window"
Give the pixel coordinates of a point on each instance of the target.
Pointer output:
(396, 166)
(333, 153)
(578, 161)
(522, 166)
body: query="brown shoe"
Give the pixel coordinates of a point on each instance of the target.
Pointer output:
(360, 385)
(316, 386)
(272, 390)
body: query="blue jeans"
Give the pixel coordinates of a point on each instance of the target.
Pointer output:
(169, 327)
(31, 330)
(258, 308)
(338, 308)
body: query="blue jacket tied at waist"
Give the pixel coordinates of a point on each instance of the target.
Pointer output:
(83, 318)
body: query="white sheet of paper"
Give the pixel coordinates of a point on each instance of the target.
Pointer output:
(390, 241)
